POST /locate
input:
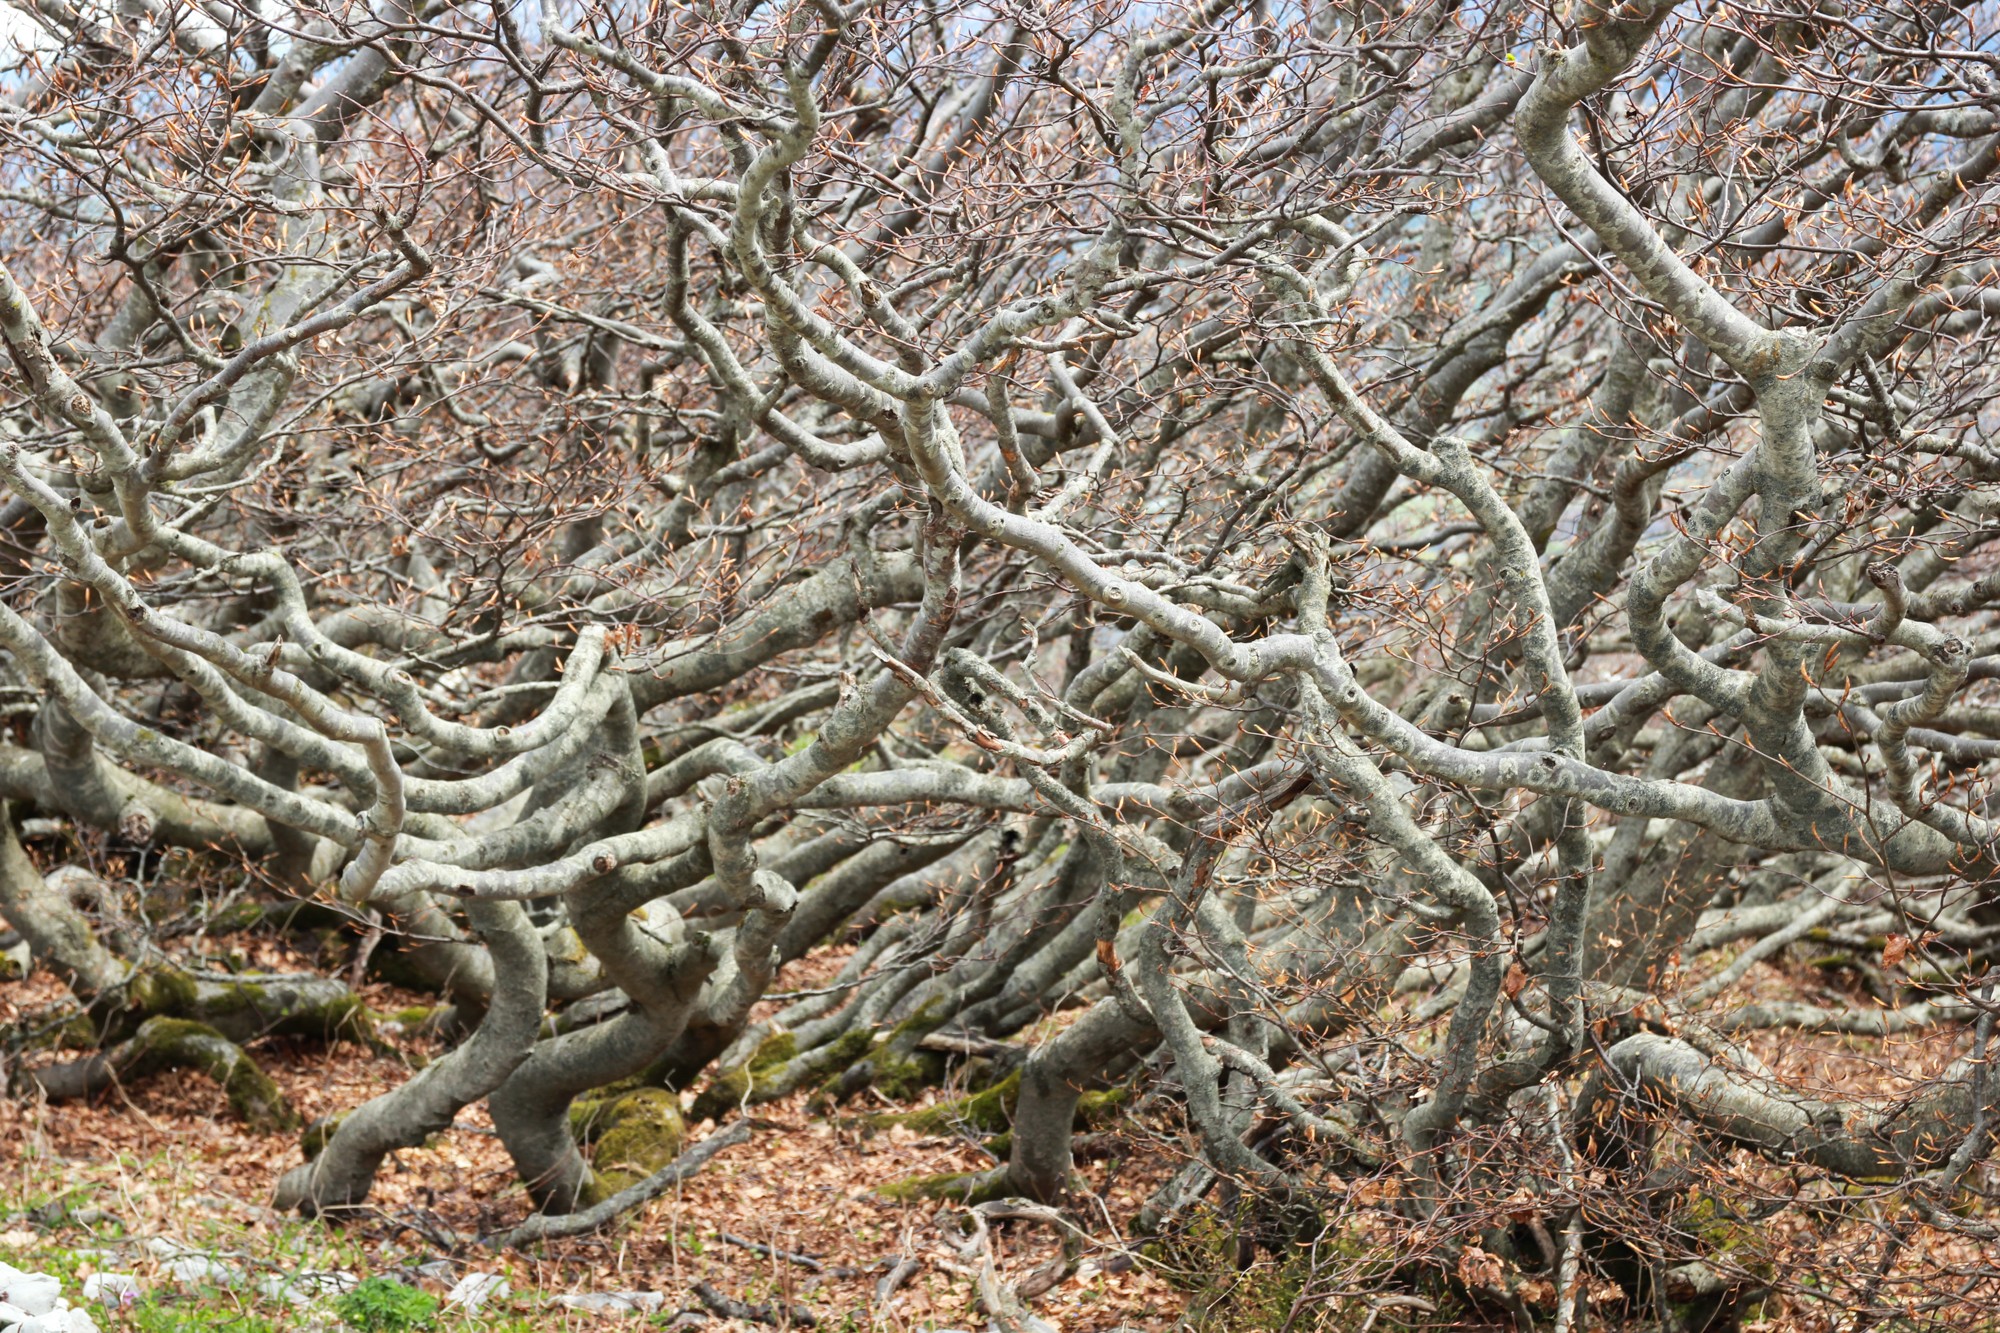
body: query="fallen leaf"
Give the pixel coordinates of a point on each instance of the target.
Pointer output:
(1477, 1268)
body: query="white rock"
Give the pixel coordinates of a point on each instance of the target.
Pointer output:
(35, 1293)
(112, 1288)
(59, 1321)
(192, 1268)
(306, 1288)
(616, 1302)
(475, 1289)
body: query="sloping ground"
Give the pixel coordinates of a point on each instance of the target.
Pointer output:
(797, 1218)
(165, 1158)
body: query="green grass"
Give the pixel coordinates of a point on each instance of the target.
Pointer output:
(160, 1195)
(378, 1305)
(29, 1199)
(381, 1305)
(190, 1311)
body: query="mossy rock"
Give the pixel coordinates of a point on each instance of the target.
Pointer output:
(592, 1114)
(732, 1088)
(636, 1134)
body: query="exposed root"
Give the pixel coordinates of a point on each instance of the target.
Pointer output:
(748, 1082)
(1005, 1303)
(175, 1043)
(251, 1005)
(771, 1313)
(546, 1226)
(989, 1111)
(967, 1187)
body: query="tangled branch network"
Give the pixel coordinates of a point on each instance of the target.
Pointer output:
(1389, 559)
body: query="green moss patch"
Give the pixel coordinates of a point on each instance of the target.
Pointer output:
(178, 1043)
(636, 1134)
(967, 1187)
(988, 1112)
(733, 1088)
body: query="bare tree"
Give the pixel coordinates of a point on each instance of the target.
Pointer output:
(1377, 558)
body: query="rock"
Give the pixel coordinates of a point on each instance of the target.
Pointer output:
(475, 1289)
(616, 1302)
(58, 1321)
(636, 1134)
(193, 1268)
(307, 1288)
(31, 1293)
(438, 1270)
(120, 1289)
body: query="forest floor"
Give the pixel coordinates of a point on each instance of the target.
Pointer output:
(158, 1179)
(151, 1172)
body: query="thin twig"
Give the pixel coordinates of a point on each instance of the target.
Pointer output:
(772, 1252)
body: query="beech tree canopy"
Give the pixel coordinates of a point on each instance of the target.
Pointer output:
(1363, 570)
